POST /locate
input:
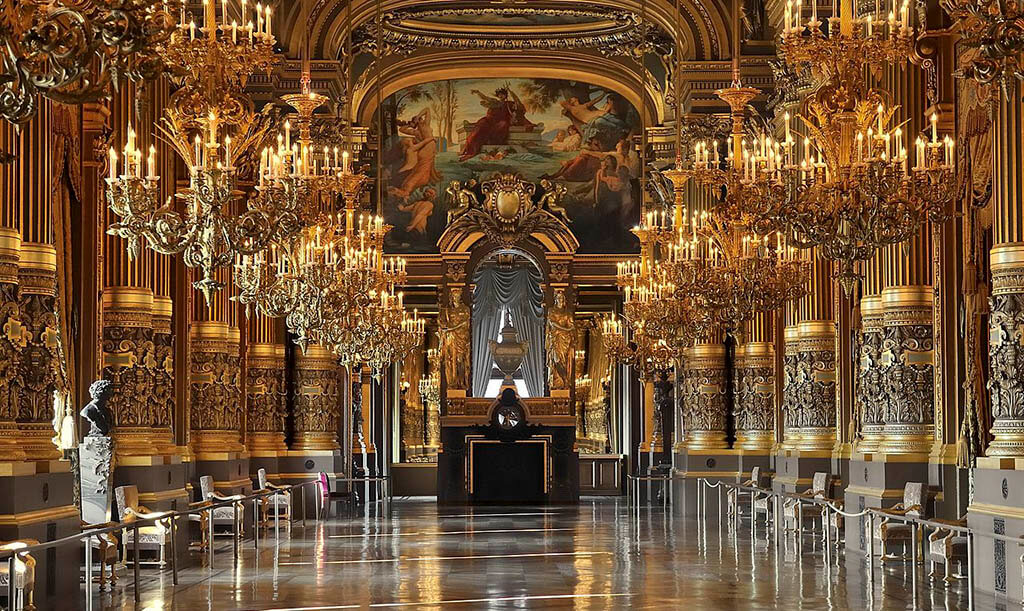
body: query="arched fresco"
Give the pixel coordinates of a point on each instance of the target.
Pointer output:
(569, 132)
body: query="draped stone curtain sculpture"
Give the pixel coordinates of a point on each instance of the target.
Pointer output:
(518, 290)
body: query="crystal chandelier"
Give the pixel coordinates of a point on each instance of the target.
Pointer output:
(213, 63)
(996, 30)
(853, 189)
(73, 52)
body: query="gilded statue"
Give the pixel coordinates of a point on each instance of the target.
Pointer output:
(454, 333)
(551, 201)
(561, 339)
(461, 199)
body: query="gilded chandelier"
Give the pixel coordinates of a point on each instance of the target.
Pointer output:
(213, 62)
(996, 29)
(73, 52)
(726, 257)
(645, 353)
(852, 189)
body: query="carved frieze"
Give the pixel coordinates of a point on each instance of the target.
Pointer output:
(703, 390)
(37, 373)
(266, 393)
(162, 397)
(213, 392)
(755, 398)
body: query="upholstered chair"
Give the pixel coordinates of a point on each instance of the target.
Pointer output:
(737, 498)
(279, 504)
(153, 536)
(890, 532)
(795, 511)
(105, 552)
(329, 497)
(948, 548)
(224, 515)
(24, 575)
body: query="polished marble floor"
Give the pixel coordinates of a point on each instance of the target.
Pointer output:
(594, 556)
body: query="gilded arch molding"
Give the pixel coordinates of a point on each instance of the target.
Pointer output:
(702, 28)
(416, 70)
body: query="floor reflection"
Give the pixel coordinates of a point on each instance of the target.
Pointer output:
(595, 556)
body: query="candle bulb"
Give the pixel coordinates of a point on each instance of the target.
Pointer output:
(113, 164)
(935, 128)
(344, 162)
(151, 174)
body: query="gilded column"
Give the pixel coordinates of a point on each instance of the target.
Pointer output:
(815, 371)
(755, 386)
(265, 387)
(11, 340)
(704, 386)
(38, 365)
(1006, 322)
(214, 414)
(317, 400)
(869, 397)
(790, 395)
(907, 344)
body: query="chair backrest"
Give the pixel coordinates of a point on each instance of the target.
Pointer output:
(755, 476)
(819, 483)
(127, 496)
(913, 494)
(206, 486)
(261, 475)
(325, 484)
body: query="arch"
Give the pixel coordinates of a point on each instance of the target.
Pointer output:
(700, 28)
(415, 70)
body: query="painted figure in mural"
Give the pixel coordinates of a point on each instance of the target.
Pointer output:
(420, 149)
(608, 123)
(454, 334)
(568, 139)
(561, 339)
(493, 127)
(420, 210)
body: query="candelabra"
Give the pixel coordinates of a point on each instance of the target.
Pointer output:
(212, 63)
(645, 353)
(73, 52)
(853, 190)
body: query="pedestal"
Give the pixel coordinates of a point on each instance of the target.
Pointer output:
(95, 456)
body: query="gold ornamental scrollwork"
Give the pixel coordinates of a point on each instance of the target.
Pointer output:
(1006, 350)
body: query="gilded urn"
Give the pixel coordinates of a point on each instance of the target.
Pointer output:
(509, 352)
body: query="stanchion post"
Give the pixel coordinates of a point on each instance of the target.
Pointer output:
(234, 545)
(88, 576)
(209, 534)
(277, 518)
(970, 570)
(172, 524)
(12, 590)
(135, 558)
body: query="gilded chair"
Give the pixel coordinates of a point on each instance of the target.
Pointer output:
(890, 532)
(224, 515)
(24, 575)
(153, 536)
(105, 552)
(279, 504)
(947, 547)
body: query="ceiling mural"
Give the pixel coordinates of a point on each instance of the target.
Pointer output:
(568, 132)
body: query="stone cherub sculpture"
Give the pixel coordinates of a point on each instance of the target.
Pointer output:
(97, 412)
(552, 199)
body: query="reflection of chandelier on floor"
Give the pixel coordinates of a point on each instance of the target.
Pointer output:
(213, 63)
(852, 189)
